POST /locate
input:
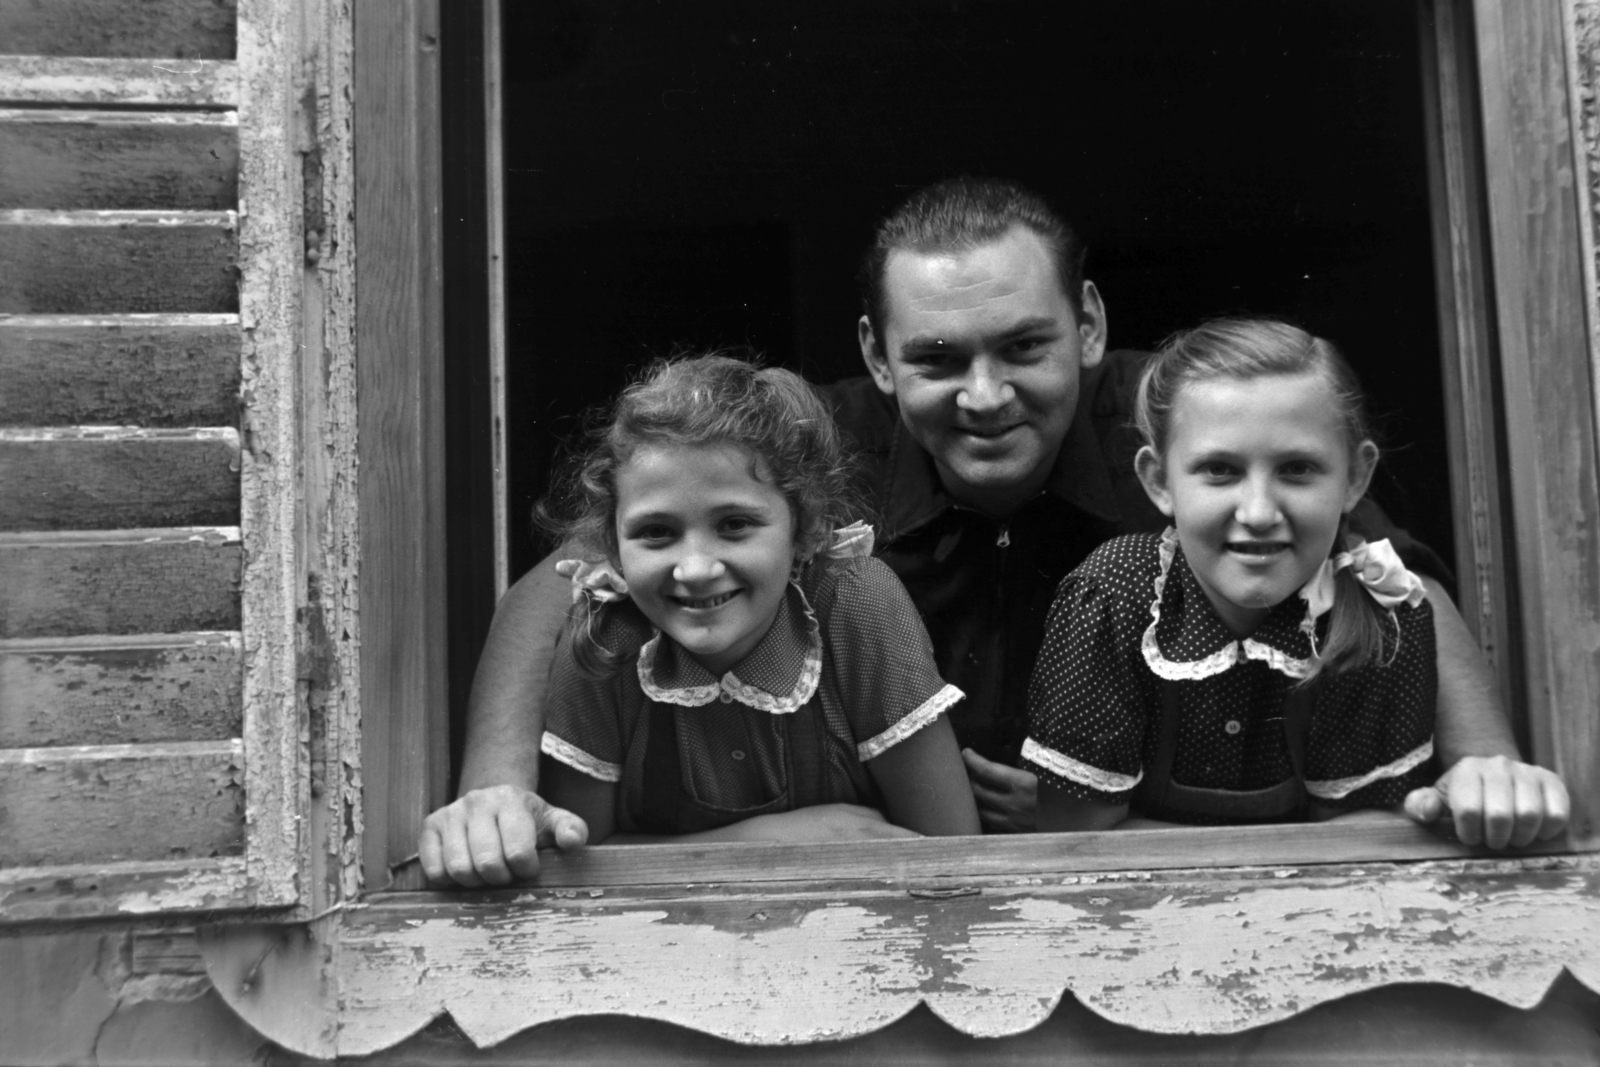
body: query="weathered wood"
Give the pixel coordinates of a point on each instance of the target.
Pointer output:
(166, 581)
(1396, 1026)
(105, 804)
(400, 374)
(934, 859)
(126, 370)
(166, 951)
(1186, 952)
(325, 476)
(190, 28)
(106, 262)
(161, 160)
(196, 83)
(98, 889)
(1548, 377)
(109, 691)
(118, 478)
(495, 206)
(277, 160)
(1472, 403)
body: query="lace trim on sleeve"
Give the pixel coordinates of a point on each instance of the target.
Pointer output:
(1339, 788)
(1216, 663)
(579, 760)
(1073, 771)
(930, 710)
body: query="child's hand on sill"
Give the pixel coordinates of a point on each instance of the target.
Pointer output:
(491, 836)
(1494, 801)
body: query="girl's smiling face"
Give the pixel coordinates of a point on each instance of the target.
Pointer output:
(1256, 476)
(706, 543)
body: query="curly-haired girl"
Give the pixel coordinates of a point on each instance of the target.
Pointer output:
(739, 666)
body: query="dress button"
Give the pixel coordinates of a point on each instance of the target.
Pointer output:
(737, 753)
(727, 698)
(1233, 726)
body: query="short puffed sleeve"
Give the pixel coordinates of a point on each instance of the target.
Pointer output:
(877, 655)
(1371, 739)
(1089, 697)
(589, 720)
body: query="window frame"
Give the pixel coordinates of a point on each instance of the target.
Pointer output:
(1517, 284)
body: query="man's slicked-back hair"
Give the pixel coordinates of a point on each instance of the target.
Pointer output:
(962, 213)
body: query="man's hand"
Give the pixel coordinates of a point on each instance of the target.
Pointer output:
(1008, 797)
(1495, 801)
(490, 836)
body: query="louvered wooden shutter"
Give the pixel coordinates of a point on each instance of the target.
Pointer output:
(149, 733)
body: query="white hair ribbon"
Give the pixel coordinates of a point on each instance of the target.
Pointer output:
(1377, 567)
(599, 581)
(850, 541)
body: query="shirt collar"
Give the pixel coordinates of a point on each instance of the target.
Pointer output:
(1186, 639)
(778, 676)
(916, 495)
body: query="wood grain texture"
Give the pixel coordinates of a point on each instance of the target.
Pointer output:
(128, 890)
(124, 370)
(185, 28)
(1472, 404)
(938, 860)
(1547, 373)
(1186, 952)
(328, 564)
(275, 143)
(106, 691)
(93, 262)
(105, 804)
(1396, 1026)
(89, 82)
(118, 478)
(118, 159)
(400, 377)
(125, 582)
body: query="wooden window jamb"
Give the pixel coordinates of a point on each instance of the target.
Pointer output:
(399, 360)
(1547, 378)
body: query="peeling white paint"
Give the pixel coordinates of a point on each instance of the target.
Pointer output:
(75, 80)
(1200, 953)
(136, 318)
(43, 434)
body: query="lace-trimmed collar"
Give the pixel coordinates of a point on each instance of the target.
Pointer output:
(1285, 640)
(778, 676)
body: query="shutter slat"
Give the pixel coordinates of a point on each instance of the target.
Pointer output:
(118, 478)
(111, 803)
(118, 159)
(110, 690)
(134, 370)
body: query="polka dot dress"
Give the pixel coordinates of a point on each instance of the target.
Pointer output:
(1133, 616)
(874, 685)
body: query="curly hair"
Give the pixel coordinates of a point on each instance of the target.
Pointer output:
(1242, 349)
(710, 399)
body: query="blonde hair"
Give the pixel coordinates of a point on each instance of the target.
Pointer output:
(1243, 349)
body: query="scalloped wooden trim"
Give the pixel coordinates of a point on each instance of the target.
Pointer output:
(1193, 951)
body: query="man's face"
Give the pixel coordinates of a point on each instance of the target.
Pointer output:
(982, 352)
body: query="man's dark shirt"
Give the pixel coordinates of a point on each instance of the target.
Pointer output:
(984, 586)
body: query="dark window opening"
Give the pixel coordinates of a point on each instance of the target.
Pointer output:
(695, 175)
